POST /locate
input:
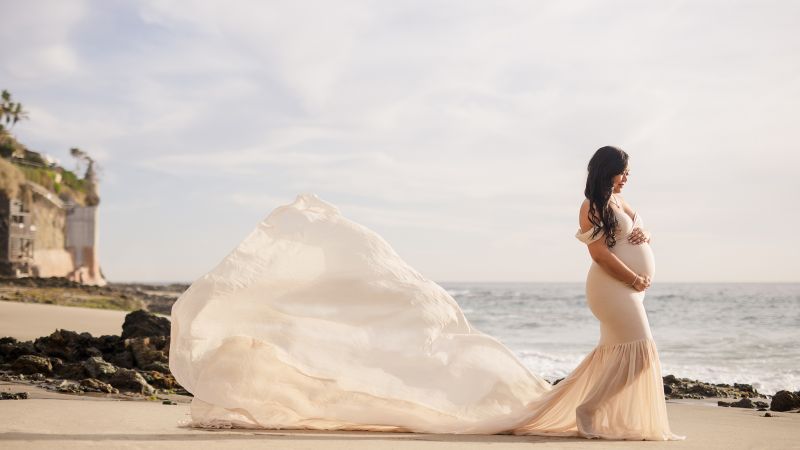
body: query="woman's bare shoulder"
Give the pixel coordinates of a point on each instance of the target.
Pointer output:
(583, 216)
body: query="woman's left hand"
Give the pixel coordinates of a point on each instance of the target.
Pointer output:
(638, 236)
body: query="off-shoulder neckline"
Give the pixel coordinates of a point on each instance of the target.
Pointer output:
(633, 221)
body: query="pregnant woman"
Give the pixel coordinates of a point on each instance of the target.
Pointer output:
(314, 322)
(617, 390)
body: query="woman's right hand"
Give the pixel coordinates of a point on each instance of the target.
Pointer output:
(641, 283)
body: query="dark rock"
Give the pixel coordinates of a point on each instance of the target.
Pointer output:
(704, 389)
(687, 388)
(11, 349)
(784, 401)
(13, 395)
(145, 350)
(722, 403)
(122, 359)
(767, 415)
(762, 409)
(32, 364)
(94, 351)
(760, 404)
(72, 370)
(69, 387)
(98, 368)
(747, 389)
(130, 380)
(95, 385)
(743, 403)
(56, 363)
(158, 366)
(65, 344)
(108, 343)
(168, 402)
(160, 380)
(141, 323)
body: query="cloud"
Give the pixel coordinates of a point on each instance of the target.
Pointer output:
(428, 117)
(37, 39)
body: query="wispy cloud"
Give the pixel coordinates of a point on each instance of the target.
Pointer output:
(467, 121)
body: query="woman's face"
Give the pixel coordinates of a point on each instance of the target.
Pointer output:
(619, 181)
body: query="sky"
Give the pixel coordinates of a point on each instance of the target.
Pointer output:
(459, 131)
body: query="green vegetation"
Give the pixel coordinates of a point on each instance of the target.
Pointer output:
(10, 112)
(30, 165)
(69, 297)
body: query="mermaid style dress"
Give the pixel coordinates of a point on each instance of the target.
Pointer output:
(314, 322)
(616, 392)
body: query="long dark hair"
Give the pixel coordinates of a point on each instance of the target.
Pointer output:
(606, 163)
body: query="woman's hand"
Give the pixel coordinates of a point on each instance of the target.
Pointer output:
(641, 283)
(638, 236)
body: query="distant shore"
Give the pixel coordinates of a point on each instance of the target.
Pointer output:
(157, 298)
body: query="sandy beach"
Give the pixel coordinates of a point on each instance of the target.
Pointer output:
(49, 419)
(27, 321)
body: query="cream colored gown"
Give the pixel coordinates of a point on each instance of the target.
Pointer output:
(315, 322)
(616, 392)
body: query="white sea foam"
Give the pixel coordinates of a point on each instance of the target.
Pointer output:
(717, 333)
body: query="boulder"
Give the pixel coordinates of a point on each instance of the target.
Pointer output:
(95, 385)
(13, 395)
(743, 403)
(784, 401)
(29, 364)
(71, 370)
(97, 367)
(145, 350)
(130, 380)
(123, 358)
(141, 323)
(65, 344)
(11, 349)
(160, 380)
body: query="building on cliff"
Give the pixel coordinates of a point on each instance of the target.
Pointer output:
(43, 233)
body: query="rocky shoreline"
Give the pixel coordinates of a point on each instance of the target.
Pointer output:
(134, 364)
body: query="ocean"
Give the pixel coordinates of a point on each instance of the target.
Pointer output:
(713, 332)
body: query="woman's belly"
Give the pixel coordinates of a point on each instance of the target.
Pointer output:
(639, 257)
(618, 306)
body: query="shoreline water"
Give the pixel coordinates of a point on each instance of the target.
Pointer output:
(719, 333)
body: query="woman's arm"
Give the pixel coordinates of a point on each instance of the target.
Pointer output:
(601, 254)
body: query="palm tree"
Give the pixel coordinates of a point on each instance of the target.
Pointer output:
(90, 177)
(10, 112)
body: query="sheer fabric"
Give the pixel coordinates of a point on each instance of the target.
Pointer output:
(315, 322)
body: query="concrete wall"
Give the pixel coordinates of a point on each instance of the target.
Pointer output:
(65, 238)
(50, 258)
(81, 243)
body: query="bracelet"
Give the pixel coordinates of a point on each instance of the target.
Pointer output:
(634, 280)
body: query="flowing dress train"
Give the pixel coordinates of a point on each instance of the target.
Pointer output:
(314, 322)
